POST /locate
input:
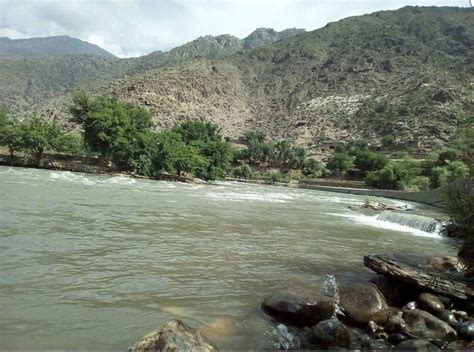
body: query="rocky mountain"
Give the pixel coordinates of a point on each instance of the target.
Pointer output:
(50, 46)
(30, 80)
(407, 72)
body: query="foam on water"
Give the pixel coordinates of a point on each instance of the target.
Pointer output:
(120, 180)
(375, 222)
(70, 177)
(241, 197)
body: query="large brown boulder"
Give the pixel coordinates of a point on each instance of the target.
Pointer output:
(174, 336)
(298, 310)
(363, 302)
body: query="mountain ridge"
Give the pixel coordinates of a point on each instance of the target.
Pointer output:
(50, 46)
(406, 72)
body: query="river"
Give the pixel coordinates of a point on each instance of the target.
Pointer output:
(96, 262)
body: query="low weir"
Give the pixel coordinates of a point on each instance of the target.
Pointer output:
(423, 223)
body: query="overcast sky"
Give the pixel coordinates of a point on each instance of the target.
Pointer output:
(137, 27)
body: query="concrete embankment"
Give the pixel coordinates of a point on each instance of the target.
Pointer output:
(434, 197)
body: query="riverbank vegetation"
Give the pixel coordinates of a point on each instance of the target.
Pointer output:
(122, 134)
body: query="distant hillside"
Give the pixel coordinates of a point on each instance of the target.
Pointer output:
(50, 46)
(407, 72)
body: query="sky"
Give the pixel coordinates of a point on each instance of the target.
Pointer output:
(130, 28)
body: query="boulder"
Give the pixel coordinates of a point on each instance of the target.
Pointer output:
(330, 332)
(173, 336)
(297, 310)
(426, 326)
(376, 345)
(396, 338)
(388, 288)
(445, 264)
(465, 330)
(461, 345)
(416, 345)
(363, 302)
(410, 306)
(448, 317)
(430, 302)
(396, 325)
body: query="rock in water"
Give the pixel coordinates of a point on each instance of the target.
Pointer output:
(466, 330)
(174, 336)
(298, 310)
(426, 326)
(430, 302)
(445, 264)
(330, 333)
(362, 303)
(416, 345)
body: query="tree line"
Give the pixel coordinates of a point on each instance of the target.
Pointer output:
(124, 134)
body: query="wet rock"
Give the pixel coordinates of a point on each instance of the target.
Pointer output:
(410, 306)
(416, 345)
(358, 339)
(298, 310)
(173, 336)
(465, 330)
(460, 314)
(396, 338)
(374, 327)
(461, 345)
(330, 332)
(448, 302)
(362, 303)
(448, 317)
(445, 264)
(395, 324)
(388, 288)
(430, 302)
(376, 345)
(426, 326)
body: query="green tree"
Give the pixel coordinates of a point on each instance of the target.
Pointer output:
(39, 135)
(10, 132)
(112, 128)
(340, 162)
(175, 156)
(242, 171)
(396, 175)
(368, 161)
(312, 168)
(218, 155)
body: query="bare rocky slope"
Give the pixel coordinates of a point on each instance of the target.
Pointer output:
(407, 72)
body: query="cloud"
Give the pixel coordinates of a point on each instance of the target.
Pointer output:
(136, 27)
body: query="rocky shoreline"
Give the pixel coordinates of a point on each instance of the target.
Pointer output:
(404, 307)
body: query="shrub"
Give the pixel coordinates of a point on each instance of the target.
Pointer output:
(243, 171)
(274, 177)
(460, 206)
(312, 168)
(368, 161)
(340, 162)
(388, 140)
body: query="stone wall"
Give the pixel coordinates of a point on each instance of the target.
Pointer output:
(434, 197)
